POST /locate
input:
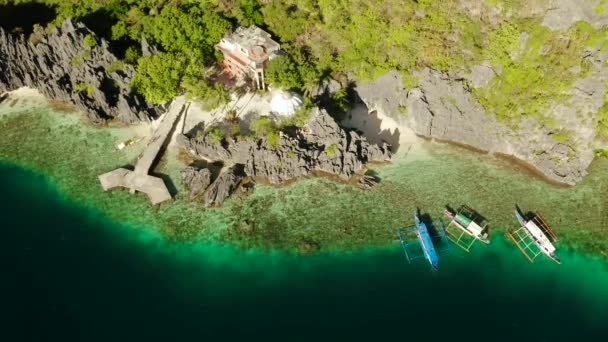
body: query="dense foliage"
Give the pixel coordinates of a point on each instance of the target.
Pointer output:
(283, 73)
(158, 77)
(525, 69)
(359, 38)
(264, 127)
(209, 94)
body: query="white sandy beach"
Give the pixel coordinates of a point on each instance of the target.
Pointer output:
(378, 128)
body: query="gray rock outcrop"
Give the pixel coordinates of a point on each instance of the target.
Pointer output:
(561, 14)
(321, 145)
(62, 67)
(224, 185)
(443, 107)
(197, 181)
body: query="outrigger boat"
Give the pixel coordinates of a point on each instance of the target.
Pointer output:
(465, 221)
(534, 232)
(425, 240)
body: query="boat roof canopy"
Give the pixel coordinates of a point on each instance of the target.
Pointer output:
(540, 236)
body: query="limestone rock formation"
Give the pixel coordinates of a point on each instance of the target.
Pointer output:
(321, 145)
(443, 107)
(61, 67)
(224, 185)
(196, 180)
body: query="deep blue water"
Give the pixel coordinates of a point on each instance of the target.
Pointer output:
(68, 274)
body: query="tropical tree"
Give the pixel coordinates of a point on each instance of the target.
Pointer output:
(158, 77)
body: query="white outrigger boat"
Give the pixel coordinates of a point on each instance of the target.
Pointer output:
(534, 232)
(465, 221)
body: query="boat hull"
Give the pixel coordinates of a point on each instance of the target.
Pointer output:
(472, 234)
(427, 244)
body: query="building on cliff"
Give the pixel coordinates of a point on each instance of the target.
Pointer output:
(247, 51)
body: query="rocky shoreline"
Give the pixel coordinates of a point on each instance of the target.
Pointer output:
(62, 67)
(443, 108)
(321, 145)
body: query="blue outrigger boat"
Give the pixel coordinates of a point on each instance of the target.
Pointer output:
(425, 240)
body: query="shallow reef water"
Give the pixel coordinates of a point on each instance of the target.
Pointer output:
(311, 214)
(71, 274)
(80, 264)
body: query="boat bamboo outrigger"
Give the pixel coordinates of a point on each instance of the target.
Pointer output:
(425, 240)
(465, 227)
(534, 237)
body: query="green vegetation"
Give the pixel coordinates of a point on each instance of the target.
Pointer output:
(562, 136)
(299, 118)
(188, 30)
(331, 150)
(602, 120)
(78, 60)
(339, 104)
(402, 110)
(521, 89)
(216, 136)
(209, 95)
(132, 54)
(235, 130)
(158, 77)
(283, 73)
(86, 87)
(273, 137)
(116, 66)
(263, 126)
(90, 41)
(362, 38)
(185, 30)
(601, 153)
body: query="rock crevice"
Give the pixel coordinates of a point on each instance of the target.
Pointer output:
(61, 67)
(321, 145)
(443, 107)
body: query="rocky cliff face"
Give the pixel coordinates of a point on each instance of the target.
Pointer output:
(197, 180)
(321, 145)
(443, 107)
(224, 185)
(61, 67)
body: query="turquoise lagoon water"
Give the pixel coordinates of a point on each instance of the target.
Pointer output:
(69, 274)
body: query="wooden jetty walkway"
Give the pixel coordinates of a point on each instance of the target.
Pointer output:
(139, 180)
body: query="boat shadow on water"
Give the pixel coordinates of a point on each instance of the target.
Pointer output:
(436, 230)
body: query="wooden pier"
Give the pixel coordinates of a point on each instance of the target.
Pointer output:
(139, 180)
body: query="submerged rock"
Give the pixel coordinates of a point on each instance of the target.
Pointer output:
(367, 182)
(62, 67)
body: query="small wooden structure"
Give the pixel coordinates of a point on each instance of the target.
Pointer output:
(534, 237)
(139, 179)
(466, 227)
